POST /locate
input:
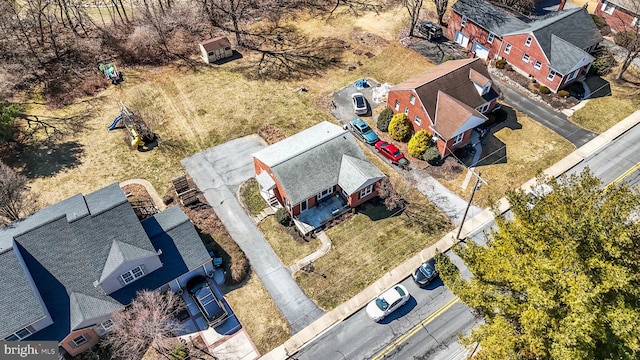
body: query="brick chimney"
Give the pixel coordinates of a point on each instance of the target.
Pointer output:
(561, 6)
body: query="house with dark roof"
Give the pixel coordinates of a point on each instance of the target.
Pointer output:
(448, 101)
(621, 15)
(316, 175)
(554, 49)
(69, 266)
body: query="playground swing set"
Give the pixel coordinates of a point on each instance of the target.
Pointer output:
(138, 133)
(111, 72)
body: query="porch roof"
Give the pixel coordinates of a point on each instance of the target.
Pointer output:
(265, 181)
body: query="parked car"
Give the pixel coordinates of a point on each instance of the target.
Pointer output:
(210, 306)
(363, 131)
(359, 104)
(387, 302)
(392, 153)
(425, 273)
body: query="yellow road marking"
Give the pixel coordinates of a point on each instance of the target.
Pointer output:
(415, 329)
(624, 175)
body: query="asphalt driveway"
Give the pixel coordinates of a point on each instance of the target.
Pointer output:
(343, 109)
(218, 172)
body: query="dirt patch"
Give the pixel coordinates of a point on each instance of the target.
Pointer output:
(438, 50)
(449, 169)
(271, 134)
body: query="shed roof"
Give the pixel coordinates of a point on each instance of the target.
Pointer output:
(215, 43)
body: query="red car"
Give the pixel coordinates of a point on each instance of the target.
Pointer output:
(392, 153)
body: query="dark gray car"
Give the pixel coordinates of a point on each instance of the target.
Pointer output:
(425, 273)
(202, 294)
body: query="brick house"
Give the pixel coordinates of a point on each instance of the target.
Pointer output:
(554, 49)
(316, 175)
(69, 266)
(620, 14)
(448, 101)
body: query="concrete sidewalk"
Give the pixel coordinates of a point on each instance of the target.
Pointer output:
(394, 276)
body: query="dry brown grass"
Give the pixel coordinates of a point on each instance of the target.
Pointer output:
(258, 314)
(522, 150)
(284, 245)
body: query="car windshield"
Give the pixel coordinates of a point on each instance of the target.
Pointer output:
(365, 128)
(382, 304)
(359, 101)
(427, 270)
(397, 152)
(399, 290)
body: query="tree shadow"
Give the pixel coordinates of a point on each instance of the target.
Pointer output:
(235, 56)
(434, 284)
(598, 87)
(494, 151)
(376, 210)
(46, 159)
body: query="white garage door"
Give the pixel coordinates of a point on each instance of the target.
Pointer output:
(480, 51)
(462, 39)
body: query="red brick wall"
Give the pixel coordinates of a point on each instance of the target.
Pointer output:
(416, 109)
(534, 51)
(474, 32)
(354, 200)
(444, 151)
(619, 20)
(259, 166)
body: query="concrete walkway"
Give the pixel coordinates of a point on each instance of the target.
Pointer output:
(396, 275)
(218, 175)
(326, 246)
(157, 200)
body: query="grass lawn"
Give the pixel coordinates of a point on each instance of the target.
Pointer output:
(258, 314)
(516, 151)
(599, 114)
(283, 244)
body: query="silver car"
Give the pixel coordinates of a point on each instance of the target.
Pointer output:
(359, 104)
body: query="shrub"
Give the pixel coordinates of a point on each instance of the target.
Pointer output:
(283, 217)
(501, 63)
(384, 119)
(603, 63)
(400, 127)
(599, 21)
(448, 57)
(419, 143)
(563, 93)
(544, 90)
(432, 156)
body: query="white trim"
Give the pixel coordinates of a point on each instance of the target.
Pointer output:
(483, 108)
(551, 75)
(572, 75)
(490, 37)
(528, 42)
(525, 57)
(537, 65)
(366, 191)
(107, 325)
(80, 340)
(397, 105)
(458, 139)
(507, 48)
(19, 335)
(324, 193)
(412, 99)
(417, 120)
(406, 110)
(132, 275)
(463, 22)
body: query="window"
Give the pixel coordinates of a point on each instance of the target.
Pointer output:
(325, 193)
(79, 340)
(19, 335)
(507, 49)
(132, 274)
(486, 88)
(607, 7)
(366, 192)
(412, 100)
(525, 58)
(634, 21)
(572, 75)
(417, 120)
(406, 110)
(458, 139)
(397, 105)
(303, 206)
(107, 325)
(482, 109)
(528, 41)
(551, 75)
(537, 65)
(490, 37)
(463, 22)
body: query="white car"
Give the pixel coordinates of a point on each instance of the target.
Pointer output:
(387, 302)
(359, 104)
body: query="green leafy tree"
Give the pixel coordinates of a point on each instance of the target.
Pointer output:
(399, 127)
(561, 279)
(419, 143)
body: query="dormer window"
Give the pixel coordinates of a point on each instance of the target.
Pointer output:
(463, 22)
(528, 42)
(132, 275)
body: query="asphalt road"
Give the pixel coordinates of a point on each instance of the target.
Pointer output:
(545, 115)
(359, 338)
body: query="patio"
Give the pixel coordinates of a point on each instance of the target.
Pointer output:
(315, 217)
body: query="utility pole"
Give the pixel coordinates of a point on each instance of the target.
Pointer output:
(475, 187)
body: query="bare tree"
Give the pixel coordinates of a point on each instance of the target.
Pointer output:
(522, 6)
(228, 14)
(148, 322)
(392, 200)
(16, 199)
(629, 39)
(441, 9)
(413, 8)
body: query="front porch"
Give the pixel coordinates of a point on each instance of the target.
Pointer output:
(315, 217)
(267, 187)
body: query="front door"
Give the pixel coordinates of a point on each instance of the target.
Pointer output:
(303, 206)
(462, 39)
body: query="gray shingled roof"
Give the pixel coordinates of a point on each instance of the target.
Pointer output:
(309, 172)
(490, 17)
(298, 143)
(177, 225)
(18, 299)
(356, 173)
